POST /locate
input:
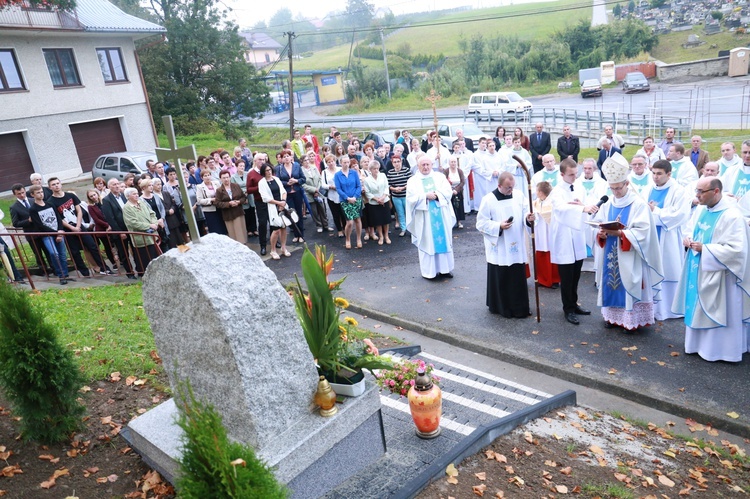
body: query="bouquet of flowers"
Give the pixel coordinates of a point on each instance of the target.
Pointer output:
(318, 311)
(403, 375)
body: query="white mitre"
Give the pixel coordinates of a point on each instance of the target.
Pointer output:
(616, 168)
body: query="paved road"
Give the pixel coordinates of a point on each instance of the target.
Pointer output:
(720, 102)
(649, 367)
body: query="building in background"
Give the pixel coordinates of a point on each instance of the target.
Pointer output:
(262, 50)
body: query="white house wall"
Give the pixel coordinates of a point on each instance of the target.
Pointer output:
(44, 113)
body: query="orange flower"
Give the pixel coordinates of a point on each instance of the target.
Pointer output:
(309, 305)
(325, 264)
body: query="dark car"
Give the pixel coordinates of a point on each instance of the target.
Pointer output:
(591, 88)
(380, 137)
(635, 82)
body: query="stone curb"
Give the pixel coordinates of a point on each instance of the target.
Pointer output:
(718, 421)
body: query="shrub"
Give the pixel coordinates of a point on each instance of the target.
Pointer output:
(37, 373)
(211, 465)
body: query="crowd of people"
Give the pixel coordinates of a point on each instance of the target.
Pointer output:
(668, 230)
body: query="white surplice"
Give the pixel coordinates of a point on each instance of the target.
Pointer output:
(718, 329)
(510, 248)
(419, 226)
(684, 171)
(671, 219)
(567, 228)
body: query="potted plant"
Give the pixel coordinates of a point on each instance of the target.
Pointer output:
(338, 357)
(402, 376)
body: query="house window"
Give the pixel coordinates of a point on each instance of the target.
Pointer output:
(10, 74)
(110, 62)
(62, 67)
(268, 57)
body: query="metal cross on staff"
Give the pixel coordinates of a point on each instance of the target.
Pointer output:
(432, 99)
(174, 154)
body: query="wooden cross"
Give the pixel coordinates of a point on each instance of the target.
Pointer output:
(432, 99)
(174, 154)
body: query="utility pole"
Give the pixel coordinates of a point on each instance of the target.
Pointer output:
(290, 34)
(385, 60)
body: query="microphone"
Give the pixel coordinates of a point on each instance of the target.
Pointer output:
(599, 204)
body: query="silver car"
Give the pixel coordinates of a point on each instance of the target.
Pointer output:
(118, 164)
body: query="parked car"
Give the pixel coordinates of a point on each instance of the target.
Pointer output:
(447, 132)
(635, 82)
(380, 137)
(118, 164)
(495, 103)
(591, 88)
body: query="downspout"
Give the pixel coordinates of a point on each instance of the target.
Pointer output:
(143, 84)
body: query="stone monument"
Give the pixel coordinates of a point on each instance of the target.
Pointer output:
(221, 319)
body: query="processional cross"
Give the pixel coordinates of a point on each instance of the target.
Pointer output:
(432, 99)
(174, 154)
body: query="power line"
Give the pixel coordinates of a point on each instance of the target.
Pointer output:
(461, 21)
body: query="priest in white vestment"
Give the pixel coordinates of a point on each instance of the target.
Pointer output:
(683, 169)
(438, 153)
(550, 173)
(714, 289)
(631, 267)
(486, 169)
(502, 216)
(670, 205)
(594, 188)
(736, 181)
(465, 160)
(522, 183)
(640, 177)
(567, 236)
(729, 158)
(430, 219)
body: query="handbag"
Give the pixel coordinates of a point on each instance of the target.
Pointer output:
(288, 217)
(323, 191)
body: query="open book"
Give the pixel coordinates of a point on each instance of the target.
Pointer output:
(610, 225)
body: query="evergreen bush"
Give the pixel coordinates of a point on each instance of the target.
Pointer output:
(212, 465)
(38, 375)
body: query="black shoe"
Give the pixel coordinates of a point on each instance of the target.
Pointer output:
(428, 278)
(582, 311)
(69, 279)
(85, 273)
(447, 275)
(572, 318)
(609, 325)
(20, 281)
(555, 286)
(132, 276)
(63, 282)
(263, 251)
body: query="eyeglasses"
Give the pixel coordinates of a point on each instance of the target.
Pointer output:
(703, 191)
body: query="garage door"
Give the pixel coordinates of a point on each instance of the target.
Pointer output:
(15, 163)
(95, 138)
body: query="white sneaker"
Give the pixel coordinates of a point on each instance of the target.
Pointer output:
(320, 229)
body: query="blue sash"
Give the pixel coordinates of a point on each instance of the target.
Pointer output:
(658, 196)
(613, 292)
(741, 183)
(676, 167)
(703, 232)
(439, 240)
(641, 182)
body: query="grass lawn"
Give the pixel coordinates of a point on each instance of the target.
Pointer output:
(670, 49)
(105, 326)
(530, 21)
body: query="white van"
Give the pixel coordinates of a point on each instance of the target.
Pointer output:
(494, 103)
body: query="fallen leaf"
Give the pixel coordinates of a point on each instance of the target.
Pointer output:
(106, 420)
(46, 457)
(612, 371)
(85, 389)
(451, 470)
(102, 479)
(130, 379)
(501, 458)
(535, 332)
(669, 453)
(48, 484)
(452, 480)
(727, 464)
(490, 454)
(481, 475)
(238, 462)
(509, 470)
(561, 489)
(112, 478)
(674, 354)
(550, 463)
(661, 363)
(596, 450)
(72, 453)
(115, 377)
(500, 494)
(664, 480)
(528, 437)
(567, 470)
(733, 415)
(577, 366)
(479, 489)
(621, 477)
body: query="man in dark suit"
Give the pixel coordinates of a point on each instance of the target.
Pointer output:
(540, 144)
(19, 215)
(568, 145)
(607, 150)
(467, 141)
(112, 208)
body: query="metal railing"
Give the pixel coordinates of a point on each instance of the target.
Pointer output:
(33, 260)
(586, 123)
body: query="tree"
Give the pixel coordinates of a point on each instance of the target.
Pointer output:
(717, 15)
(199, 71)
(48, 4)
(359, 13)
(617, 10)
(631, 6)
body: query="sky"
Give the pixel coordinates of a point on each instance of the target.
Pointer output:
(247, 15)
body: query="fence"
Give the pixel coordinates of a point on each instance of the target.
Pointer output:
(33, 260)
